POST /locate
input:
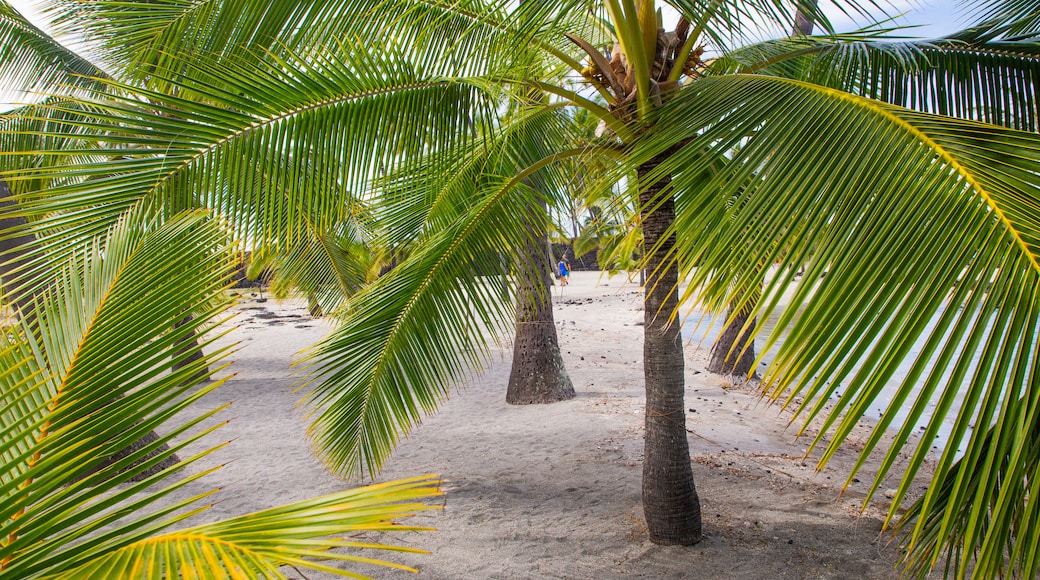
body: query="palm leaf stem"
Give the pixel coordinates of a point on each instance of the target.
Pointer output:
(602, 113)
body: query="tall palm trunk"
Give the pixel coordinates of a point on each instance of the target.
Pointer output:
(538, 374)
(670, 501)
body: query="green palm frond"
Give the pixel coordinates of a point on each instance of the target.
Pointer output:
(89, 374)
(1015, 18)
(729, 24)
(281, 155)
(433, 191)
(172, 35)
(410, 333)
(141, 39)
(286, 120)
(879, 226)
(33, 61)
(966, 77)
(427, 323)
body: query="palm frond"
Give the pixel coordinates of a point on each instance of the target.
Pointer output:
(32, 61)
(29, 130)
(880, 225)
(1014, 18)
(282, 154)
(89, 374)
(302, 538)
(728, 24)
(969, 78)
(97, 381)
(172, 35)
(427, 322)
(409, 334)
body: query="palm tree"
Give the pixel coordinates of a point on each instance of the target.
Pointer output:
(88, 379)
(902, 170)
(89, 374)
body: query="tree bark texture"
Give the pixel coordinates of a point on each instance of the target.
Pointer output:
(804, 23)
(670, 501)
(538, 374)
(732, 353)
(12, 253)
(11, 256)
(188, 347)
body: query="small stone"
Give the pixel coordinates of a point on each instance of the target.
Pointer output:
(890, 493)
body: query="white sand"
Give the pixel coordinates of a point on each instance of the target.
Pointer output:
(552, 491)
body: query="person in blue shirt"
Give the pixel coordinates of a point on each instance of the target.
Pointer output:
(565, 272)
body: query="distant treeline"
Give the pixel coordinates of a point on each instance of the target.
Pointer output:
(240, 280)
(584, 262)
(587, 261)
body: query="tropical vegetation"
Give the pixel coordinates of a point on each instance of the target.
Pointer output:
(87, 373)
(92, 366)
(899, 175)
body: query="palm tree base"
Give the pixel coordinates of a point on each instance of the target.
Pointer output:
(538, 375)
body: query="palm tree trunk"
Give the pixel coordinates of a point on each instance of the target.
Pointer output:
(732, 353)
(538, 374)
(670, 501)
(12, 252)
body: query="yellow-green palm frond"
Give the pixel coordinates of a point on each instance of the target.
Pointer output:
(308, 535)
(927, 242)
(92, 369)
(100, 339)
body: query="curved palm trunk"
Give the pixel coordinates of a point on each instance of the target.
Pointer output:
(538, 374)
(670, 501)
(11, 256)
(734, 352)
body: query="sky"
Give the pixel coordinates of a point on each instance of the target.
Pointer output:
(932, 18)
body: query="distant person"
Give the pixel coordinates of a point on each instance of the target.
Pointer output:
(565, 272)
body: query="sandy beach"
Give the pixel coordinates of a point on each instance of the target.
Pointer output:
(553, 491)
